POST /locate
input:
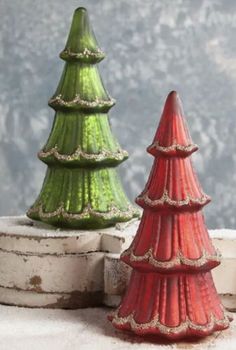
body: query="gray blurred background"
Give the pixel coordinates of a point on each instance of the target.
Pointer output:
(152, 47)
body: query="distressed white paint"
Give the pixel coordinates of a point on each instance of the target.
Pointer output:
(41, 265)
(12, 296)
(116, 275)
(121, 237)
(24, 235)
(111, 300)
(225, 274)
(55, 273)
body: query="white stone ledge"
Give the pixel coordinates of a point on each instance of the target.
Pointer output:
(61, 274)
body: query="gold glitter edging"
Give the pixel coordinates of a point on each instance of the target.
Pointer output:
(175, 203)
(178, 260)
(86, 53)
(58, 100)
(60, 211)
(119, 155)
(155, 323)
(174, 147)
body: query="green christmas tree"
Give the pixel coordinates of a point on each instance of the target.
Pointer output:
(81, 188)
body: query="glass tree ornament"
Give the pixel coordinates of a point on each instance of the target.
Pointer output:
(171, 292)
(81, 188)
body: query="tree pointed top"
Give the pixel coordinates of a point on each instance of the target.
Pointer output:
(172, 137)
(81, 43)
(173, 105)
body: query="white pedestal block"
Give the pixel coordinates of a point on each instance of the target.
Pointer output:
(225, 274)
(41, 266)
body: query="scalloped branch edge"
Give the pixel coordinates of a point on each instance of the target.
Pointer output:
(155, 323)
(175, 203)
(119, 155)
(58, 100)
(86, 53)
(87, 211)
(178, 260)
(174, 147)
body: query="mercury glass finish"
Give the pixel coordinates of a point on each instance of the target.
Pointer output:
(171, 292)
(81, 188)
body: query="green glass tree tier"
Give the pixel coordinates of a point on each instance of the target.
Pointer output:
(81, 188)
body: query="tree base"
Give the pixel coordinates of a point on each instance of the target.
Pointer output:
(183, 306)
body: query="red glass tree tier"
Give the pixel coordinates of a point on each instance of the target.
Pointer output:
(171, 292)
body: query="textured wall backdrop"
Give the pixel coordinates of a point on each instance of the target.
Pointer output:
(152, 47)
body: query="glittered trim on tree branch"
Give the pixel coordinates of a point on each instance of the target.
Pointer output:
(87, 211)
(98, 157)
(155, 323)
(165, 199)
(175, 147)
(85, 54)
(78, 101)
(180, 259)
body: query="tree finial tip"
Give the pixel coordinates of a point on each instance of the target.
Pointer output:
(81, 9)
(173, 100)
(173, 93)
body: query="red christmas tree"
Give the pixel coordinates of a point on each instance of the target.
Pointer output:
(171, 292)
